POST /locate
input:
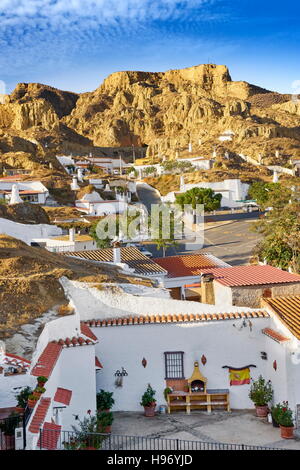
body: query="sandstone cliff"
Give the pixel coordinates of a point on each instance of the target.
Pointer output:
(162, 111)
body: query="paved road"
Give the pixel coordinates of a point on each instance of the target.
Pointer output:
(147, 195)
(232, 242)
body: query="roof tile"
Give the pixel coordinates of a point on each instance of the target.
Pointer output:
(63, 395)
(287, 309)
(189, 265)
(39, 415)
(50, 436)
(238, 276)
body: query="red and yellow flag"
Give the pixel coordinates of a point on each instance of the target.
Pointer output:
(239, 376)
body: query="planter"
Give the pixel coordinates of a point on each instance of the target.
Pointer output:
(261, 411)
(275, 424)
(9, 442)
(149, 411)
(31, 403)
(36, 394)
(18, 409)
(287, 432)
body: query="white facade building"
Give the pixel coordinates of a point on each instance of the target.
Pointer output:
(233, 191)
(29, 191)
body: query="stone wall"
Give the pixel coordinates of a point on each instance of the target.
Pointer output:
(250, 296)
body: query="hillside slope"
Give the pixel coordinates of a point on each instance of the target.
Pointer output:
(163, 111)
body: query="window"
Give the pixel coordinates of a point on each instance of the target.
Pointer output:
(267, 293)
(174, 365)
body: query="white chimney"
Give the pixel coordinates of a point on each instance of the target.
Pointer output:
(80, 175)
(72, 234)
(277, 153)
(15, 197)
(117, 254)
(74, 184)
(275, 176)
(190, 147)
(182, 186)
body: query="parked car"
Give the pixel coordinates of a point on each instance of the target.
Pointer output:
(146, 252)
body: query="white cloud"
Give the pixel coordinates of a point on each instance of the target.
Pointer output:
(64, 12)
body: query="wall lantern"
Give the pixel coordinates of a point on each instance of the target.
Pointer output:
(144, 362)
(203, 359)
(121, 373)
(275, 365)
(263, 355)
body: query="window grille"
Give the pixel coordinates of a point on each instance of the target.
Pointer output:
(174, 365)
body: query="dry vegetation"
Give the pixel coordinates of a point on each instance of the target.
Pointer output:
(29, 281)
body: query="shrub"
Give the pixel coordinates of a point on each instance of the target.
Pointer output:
(105, 400)
(22, 396)
(148, 397)
(167, 390)
(285, 416)
(104, 420)
(276, 410)
(261, 392)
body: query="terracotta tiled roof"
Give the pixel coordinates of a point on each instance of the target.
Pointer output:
(236, 276)
(86, 331)
(279, 338)
(129, 255)
(39, 415)
(12, 359)
(62, 395)
(50, 436)
(98, 363)
(287, 309)
(189, 265)
(184, 318)
(47, 360)
(75, 341)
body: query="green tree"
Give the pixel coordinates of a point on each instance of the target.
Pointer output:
(123, 225)
(280, 230)
(165, 243)
(197, 196)
(269, 194)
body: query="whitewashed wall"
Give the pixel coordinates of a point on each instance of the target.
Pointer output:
(74, 370)
(27, 232)
(9, 387)
(220, 342)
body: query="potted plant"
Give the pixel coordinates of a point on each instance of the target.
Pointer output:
(32, 400)
(261, 393)
(149, 402)
(37, 392)
(22, 398)
(85, 436)
(275, 411)
(286, 422)
(167, 390)
(105, 400)
(105, 420)
(41, 381)
(8, 426)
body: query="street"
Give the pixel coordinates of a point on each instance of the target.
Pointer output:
(232, 242)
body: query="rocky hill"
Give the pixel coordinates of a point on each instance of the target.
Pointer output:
(163, 111)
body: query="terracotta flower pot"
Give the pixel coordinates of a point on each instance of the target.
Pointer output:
(31, 403)
(261, 411)
(149, 411)
(18, 409)
(36, 394)
(287, 432)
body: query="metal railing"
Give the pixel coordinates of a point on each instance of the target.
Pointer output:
(69, 440)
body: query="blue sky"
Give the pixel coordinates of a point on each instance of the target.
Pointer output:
(75, 44)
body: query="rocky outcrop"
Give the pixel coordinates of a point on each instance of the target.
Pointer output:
(160, 111)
